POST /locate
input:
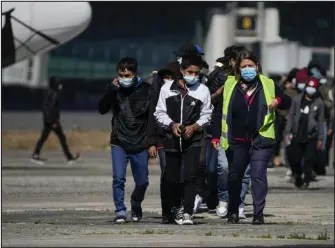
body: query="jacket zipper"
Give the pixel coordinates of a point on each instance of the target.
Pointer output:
(248, 106)
(181, 119)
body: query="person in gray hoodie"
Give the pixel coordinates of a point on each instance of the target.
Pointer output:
(305, 130)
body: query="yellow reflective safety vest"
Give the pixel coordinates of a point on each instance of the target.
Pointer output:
(266, 135)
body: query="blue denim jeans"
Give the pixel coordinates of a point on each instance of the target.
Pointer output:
(139, 167)
(245, 185)
(216, 162)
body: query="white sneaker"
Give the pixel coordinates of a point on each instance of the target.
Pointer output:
(241, 214)
(222, 209)
(288, 175)
(197, 203)
(187, 219)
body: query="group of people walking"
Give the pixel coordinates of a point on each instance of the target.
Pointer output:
(214, 133)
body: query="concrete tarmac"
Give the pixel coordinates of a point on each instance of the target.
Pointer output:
(61, 205)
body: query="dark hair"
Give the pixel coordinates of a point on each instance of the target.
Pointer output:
(53, 82)
(245, 54)
(291, 75)
(127, 63)
(232, 52)
(189, 60)
(205, 65)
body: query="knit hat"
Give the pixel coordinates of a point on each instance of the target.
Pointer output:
(301, 75)
(171, 68)
(188, 49)
(312, 82)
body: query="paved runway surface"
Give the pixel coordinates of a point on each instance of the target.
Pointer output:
(32, 121)
(61, 205)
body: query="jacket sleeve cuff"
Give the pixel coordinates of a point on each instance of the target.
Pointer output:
(278, 100)
(215, 140)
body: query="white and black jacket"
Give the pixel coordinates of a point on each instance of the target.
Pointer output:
(177, 106)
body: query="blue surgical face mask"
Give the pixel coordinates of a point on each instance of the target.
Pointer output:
(294, 81)
(315, 72)
(126, 82)
(301, 86)
(310, 91)
(323, 81)
(248, 74)
(191, 80)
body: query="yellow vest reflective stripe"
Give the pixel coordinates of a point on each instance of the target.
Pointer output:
(267, 130)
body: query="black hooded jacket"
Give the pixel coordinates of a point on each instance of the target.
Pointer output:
(51, 111)
(132, 121)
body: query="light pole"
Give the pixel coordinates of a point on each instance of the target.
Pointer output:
(261, 34)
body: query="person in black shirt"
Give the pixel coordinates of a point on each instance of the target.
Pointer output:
(306, 127)
(51, 121)
(129, 97)
(165, 75)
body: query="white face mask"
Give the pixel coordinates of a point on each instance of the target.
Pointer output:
(323, 81)
(179, 59)
(126, 82)
(301, 86)
(294, 81)
(191, 80)
(168, 81)
(310, 90)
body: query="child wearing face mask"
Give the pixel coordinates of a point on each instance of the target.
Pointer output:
(128, 96)
(183, 110)
(305, 130)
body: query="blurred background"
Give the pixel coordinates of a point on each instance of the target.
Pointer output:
(282, 34)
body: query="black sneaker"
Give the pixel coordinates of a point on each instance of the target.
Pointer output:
(136, 211)
(305, 185)
(120, 219)
(37, 160)
(167, 219)
(178, 215)
(298, 182)
(258, 220)
(233, 218)
(73, 159)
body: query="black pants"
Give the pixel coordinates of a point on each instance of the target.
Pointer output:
(302, 151)
(329, 142)
(45, 134)
(166, 208)
(238, 159)
(175, 189)
(202, 189)
(279, 127)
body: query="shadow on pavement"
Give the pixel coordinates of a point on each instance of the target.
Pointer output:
(39, 168)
